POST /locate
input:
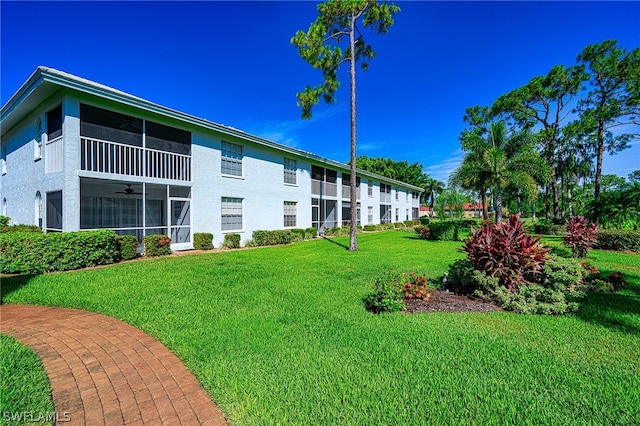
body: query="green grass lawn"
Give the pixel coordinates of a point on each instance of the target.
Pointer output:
(279, 335)
(24, 387)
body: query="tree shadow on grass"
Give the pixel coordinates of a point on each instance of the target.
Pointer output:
(336, 243)
(12, 283)
(618, 311)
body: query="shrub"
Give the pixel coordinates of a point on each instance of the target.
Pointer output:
(411, 223)
(387, 295)
(547, 227)
(580, 235)
(32, 253)
(310, 233)
(21, 228)
(156, 245)
(444, 231)
(469, 223)
(202, 241)
(128, 246)
(270, 238)
(422, 231)
(370, 228)
(398, 225)
(298, 234)
(415, 287)
(597, 282)
(424, 220)
(231, 241)
(463, 277)
(506, 252)
(618, 240)
(4, 221)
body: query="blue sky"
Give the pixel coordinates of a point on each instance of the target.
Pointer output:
(232, 63)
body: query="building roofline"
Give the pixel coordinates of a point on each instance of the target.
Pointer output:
(50, 75)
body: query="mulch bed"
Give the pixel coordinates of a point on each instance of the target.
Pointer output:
(442, 301)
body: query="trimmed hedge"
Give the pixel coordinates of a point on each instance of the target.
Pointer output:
(156, 245)
(370, 228)
(128, 246)
(310, 233)
(443, 231)
(547, 228)
(271, 238)
(411, 223)
(33, 253)
(21, 228)
(231, 241)
(202, 241)
(619, 240)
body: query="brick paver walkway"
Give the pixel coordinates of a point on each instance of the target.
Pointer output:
(106, 372)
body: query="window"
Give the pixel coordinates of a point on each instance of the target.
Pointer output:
(54, 211)
(397, 214)
(370, 188)
(165, 138)
(54, 123)
(290, 214)
(98, 123)
(407, 215)
(385, 213)
(231, 159)
(290, 171)
(3, 158)
(407, 196)
(397, 195)
(38, 209)
(370, 214)
(231, 214)
(37, 140)
(415, 213)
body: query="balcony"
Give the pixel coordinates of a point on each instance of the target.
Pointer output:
(346, 192)
(127, 160)
(328, 189)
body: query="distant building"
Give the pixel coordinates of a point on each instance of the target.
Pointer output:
(79, 155)
(471, 210)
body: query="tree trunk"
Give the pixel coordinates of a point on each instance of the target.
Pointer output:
(554, 189)
(485, 207)
(353, 240)
(498, 205)
(596, 192)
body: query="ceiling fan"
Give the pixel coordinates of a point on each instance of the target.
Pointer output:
(128, 191)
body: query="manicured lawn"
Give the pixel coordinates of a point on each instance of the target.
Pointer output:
(279, 335)
(24, 386)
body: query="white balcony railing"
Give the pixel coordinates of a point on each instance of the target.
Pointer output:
(115, 158)
(346, 192)
(54, 151)
(319, 187)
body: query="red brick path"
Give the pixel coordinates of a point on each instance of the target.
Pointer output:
(106, 372)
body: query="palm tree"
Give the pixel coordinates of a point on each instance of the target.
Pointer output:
(434, 186)
(502, 162)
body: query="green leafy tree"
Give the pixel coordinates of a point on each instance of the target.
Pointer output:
(335, 38)
(613, 100)
(398, 170)
(434, 187)
(452, 200)
(634, 176)
(500, 161)
(545, 102)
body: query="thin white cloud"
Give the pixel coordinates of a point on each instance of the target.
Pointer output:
(443, 169)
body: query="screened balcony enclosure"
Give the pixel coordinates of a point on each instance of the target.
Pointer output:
(116, 143)
(137, 209)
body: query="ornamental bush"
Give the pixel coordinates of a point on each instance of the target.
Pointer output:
(310, 233)
(387, 295)
(21, 228)
(580, 236)
(156, 245)
(370, 228)
(202, 241)
(422, 231)
(270, 238)
(231, 241)
(128, 246)
(618, 240)
(444, 231)
(4, 221)
(546, 227)
(415, 286)
(35, 252)
(507, 252)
